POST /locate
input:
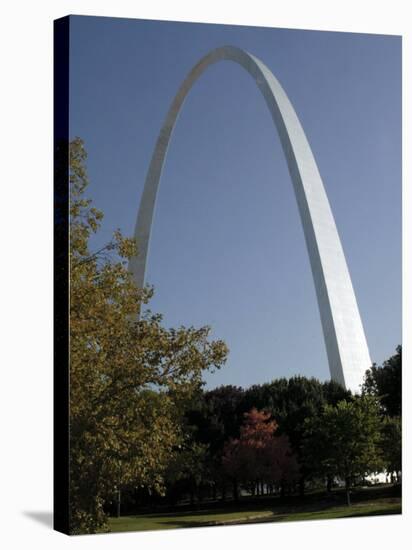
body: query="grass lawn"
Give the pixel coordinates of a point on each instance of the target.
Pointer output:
(257, 514)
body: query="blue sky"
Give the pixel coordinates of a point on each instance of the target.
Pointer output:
(227, 245)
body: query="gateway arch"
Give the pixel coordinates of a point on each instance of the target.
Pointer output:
(345, 341)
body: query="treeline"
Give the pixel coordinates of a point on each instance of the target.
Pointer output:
(282, 438)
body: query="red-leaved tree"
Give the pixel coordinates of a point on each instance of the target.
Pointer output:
(259, 458)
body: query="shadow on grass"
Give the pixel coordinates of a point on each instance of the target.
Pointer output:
(366, 502)
(185, 524)
(377, 513)
(272, 519)
(310, 501)
(276, 507)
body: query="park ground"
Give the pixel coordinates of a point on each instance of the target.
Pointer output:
(371, 501)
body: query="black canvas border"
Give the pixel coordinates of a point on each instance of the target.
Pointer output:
(61, 276)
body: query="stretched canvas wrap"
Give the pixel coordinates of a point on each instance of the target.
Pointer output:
(227, 343)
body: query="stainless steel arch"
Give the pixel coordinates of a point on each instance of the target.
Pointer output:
(345, 340)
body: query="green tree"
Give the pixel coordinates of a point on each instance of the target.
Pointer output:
(392, 445)
(345, 440)
(214, 418)
(188, 469)
(385, 382)
(292, 402)
(129, 377)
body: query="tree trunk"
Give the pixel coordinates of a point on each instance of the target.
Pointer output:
(329, 484)
(347, 487)
(302, 487)
(118, 502)
(235, 490)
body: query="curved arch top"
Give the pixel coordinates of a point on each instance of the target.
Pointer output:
(345, 341)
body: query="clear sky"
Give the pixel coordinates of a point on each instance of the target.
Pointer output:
(227, 244)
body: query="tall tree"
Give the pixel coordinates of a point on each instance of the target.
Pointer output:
(392, 445)
(292, 402)
(258, 457)
(129, 378)
(188, 469)
(385, 382)
(345, 440)
(217, 416)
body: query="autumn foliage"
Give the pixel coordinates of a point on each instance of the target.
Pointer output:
(141, 422)
(259, 457)
(129, 377)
